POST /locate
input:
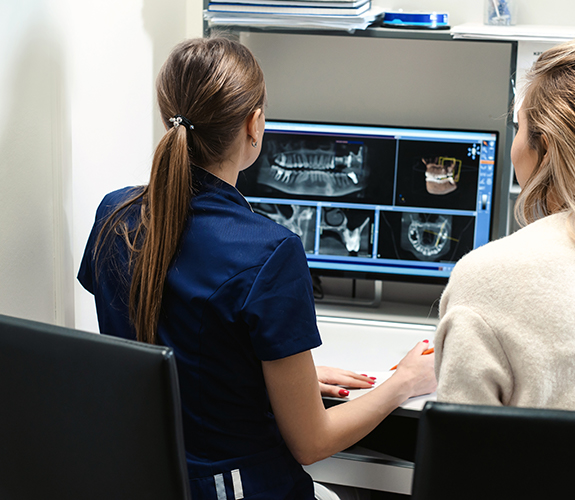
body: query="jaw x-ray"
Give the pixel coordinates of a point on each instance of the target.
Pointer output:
(310, 167)
(345, 232)
(426, 236)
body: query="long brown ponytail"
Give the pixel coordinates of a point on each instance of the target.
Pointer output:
(215, 83)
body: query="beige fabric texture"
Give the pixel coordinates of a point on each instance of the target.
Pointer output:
(507, 321)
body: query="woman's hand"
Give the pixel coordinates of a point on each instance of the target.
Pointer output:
(334, 382)
(313, 432)
(417, 370)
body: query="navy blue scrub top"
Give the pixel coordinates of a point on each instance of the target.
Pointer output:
(238, 292)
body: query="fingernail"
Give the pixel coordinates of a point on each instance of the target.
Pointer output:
(364, 374)
(343, 392)
(373, 378)
(426, 341)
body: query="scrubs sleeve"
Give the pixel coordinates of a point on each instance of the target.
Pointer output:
(86, 271)
(279, 309)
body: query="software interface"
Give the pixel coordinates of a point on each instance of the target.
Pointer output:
(376, 200)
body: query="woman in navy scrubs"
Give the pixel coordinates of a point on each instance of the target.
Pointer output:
(184, 262)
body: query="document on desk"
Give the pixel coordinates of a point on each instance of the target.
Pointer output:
(416, 403)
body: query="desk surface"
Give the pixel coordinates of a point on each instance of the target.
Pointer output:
(367, 341)
(370, 346)
(373, 346)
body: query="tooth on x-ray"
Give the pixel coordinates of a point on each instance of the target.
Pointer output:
(303, 169)
(335, 220)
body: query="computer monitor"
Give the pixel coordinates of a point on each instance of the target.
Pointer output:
(377, 202)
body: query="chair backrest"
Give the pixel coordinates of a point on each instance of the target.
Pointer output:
(491, 452)
(87, 416)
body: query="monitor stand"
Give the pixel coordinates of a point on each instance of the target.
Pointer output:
(372, 298)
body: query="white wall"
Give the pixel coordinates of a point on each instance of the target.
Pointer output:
(77, 119)
(30, 158)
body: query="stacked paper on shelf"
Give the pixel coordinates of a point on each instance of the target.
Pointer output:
(520, 32)
(334, 14)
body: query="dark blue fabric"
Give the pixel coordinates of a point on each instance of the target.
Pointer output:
(271, 475)
(237, 293)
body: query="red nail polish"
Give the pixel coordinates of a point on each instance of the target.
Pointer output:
(343, 392)
(364, 375)
(373, 378)
(426, 341)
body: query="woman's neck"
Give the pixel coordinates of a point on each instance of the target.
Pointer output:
(227, 175)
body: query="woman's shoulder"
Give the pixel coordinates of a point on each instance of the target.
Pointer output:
(538, 237)
(116, 198)
(500, 264)
(121, 195)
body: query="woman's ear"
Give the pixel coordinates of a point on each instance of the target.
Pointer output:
(254, 125)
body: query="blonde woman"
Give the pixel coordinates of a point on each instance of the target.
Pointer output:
(507, 329)
(185, 262)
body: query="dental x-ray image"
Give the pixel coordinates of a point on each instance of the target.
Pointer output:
(311, 167)
(438, 174)
(424, 236)
(297, 218)
(322, 167)
(345, 231)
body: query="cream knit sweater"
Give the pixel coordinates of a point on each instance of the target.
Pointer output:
(507, 329)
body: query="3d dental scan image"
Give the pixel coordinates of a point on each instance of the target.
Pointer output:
(441, 174)
(438, 174)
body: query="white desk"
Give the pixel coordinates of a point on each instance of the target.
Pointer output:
(370, 342)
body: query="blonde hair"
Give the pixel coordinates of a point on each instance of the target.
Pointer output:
(549, 110)
(215, 83)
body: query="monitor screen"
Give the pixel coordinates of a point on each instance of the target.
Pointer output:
(376, 202)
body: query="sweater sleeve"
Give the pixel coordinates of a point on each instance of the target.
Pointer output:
(471, 365)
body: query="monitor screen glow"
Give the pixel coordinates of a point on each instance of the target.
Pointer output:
(376, 202)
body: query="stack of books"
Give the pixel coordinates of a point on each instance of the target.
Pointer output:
(336, 14)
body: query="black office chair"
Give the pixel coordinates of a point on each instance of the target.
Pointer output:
(87, 416)
(468, 452)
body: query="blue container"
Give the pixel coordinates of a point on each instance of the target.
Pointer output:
(427, 20)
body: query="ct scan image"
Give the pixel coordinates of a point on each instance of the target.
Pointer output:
(424, 236)
(310, 167)
(346, 232)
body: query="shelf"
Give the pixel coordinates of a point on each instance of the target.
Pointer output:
(369, 32)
